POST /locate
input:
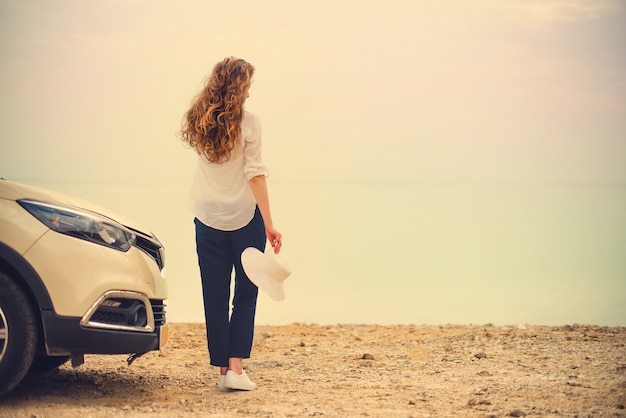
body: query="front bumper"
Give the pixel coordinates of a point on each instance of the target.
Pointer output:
(101, 332)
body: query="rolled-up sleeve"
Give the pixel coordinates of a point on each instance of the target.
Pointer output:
(251, 133)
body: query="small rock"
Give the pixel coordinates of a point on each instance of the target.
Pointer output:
(365, 357)
(480, 355)
(484, 373)
(517, 413)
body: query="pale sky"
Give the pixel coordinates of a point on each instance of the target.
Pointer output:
(350, 94)
(373, 91)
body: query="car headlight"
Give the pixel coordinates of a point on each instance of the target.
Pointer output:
(80, 223)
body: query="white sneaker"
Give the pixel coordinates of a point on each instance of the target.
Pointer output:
(238, 381)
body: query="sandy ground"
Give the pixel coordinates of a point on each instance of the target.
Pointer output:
(343, 371)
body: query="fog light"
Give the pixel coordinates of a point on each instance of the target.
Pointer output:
(137, 317)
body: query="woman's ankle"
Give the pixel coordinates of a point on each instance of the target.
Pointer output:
(235, 365)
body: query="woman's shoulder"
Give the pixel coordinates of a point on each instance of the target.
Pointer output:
(251, 127)
(251, 119)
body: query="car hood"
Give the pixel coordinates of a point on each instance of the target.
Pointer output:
(14, 191)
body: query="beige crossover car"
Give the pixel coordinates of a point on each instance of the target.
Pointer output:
(74, 280)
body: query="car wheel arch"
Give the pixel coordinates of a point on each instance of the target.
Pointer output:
(20, 269)
(24, 276)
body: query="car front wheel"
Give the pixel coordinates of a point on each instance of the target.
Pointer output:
(18, 334)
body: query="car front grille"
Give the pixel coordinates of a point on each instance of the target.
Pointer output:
(152, 247)
(158, 310)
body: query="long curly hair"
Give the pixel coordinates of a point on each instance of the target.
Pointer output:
(213, 123)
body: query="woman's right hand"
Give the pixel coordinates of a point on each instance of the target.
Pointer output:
(275, 238)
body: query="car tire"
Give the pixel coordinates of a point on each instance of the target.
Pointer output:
(18, 334)
(43, 364)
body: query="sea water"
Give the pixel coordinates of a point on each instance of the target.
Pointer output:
(414, 253)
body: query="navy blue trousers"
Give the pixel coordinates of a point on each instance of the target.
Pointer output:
(218, 253)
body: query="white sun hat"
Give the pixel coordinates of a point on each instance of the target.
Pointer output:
(267, 270)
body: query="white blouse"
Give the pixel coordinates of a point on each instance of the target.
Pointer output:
(220, 195)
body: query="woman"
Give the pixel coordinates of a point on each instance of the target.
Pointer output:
(232, 212)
